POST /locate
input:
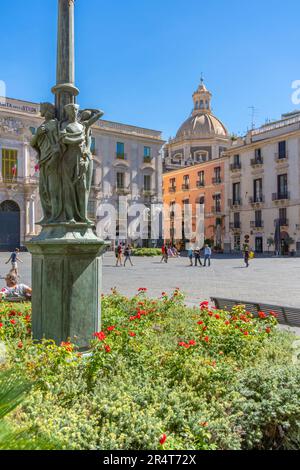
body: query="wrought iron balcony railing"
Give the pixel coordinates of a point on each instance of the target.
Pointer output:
(281, 196)
(257, 199)
(257, 161)
(257, 224)
(235, 166)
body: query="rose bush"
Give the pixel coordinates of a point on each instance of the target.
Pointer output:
(161, 375)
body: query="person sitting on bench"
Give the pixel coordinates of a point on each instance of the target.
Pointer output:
(14, 291)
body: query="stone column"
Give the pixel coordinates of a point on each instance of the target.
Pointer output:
(27, 217)
(32, 215)
(65, 89)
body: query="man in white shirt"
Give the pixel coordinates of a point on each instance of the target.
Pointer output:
(207, 255)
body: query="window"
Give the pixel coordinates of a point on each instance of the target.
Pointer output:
(147, 183)
(236, 160)
(9, 164)
(120, 180)
(186, 182)
(258, 155)
(282, 185)
(201, 176)
(258, 218)
(258, 190)
(93, 145)
(236, 220)
(218, 202)
(173, 183)
(283, 216)
(217, 178)
(236, 192)
(282, 149)
(120, 150)
(147, 152)
(200, 157)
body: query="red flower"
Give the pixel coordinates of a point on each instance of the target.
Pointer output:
(37, 168)
(227, 322)
(13, 322)
(217, 317)
(1, 325)
(132, 334)
(181, 344)
(67, 346)
(204, 424)
(273, 314)
(28, 318)
(111, 328)
(204, 305)
(262, 315)
(20, 345)
(142, 289)
(107, 348)
(200, 323)
(268, 330)
(163, 439)
(204, 328)
(100, 336)
(12, 313)
(192, 343)
(246, 333)
(164, 294)
(206, 339)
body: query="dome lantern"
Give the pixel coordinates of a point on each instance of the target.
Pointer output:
(202, 99)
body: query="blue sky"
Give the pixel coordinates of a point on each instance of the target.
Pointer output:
(141, 60)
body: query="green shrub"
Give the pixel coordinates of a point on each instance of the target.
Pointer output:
(208, 379)
(146, 252)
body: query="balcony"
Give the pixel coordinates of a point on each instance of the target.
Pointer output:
(281, 157)
(121, 156)
(148, 193)
(284, 222)
(148, 160)
(257, 224)
(217, 180)
(235, 202)
(19, 180)
(185, 187)
(235, 225)
(122, 190)
(280, 196)
(235, 166)
(259, 199)
(257, 161)
(200, 184)
(172, 189)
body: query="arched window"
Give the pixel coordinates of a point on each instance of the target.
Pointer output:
(201, 104)
(9, 206)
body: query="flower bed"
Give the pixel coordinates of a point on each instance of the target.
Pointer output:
(161, 376)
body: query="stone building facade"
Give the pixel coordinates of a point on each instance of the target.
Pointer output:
(194, 167)
(263, 180)
(127, 163)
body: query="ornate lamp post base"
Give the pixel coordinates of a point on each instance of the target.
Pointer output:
(66, 281)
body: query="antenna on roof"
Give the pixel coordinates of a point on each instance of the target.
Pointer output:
(253, 115)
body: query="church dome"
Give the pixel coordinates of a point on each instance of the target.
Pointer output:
(202, 123)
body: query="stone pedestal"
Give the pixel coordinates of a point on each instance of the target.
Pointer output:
(66, 282)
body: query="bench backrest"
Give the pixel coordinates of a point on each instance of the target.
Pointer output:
(285, 315)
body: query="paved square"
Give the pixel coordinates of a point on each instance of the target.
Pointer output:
(269, 280)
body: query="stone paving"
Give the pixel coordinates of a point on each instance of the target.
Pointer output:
(269, 280)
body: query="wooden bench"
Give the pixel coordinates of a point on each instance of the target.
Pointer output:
(285, 315)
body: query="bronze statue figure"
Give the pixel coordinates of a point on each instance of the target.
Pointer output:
(46, 143)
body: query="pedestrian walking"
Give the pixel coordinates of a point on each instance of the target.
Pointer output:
(164, 252)
(14, 261)
(207, 255)
(197, 254)
(127, 254)
(246, 250)
(119, 252)
(191, 256)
